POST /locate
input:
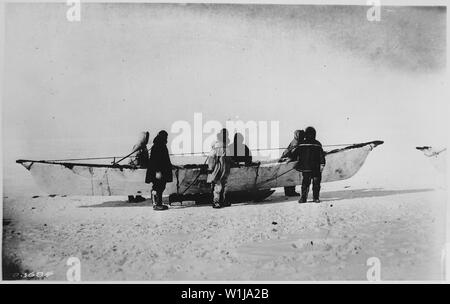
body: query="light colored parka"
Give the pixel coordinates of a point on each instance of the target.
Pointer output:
(219, 163)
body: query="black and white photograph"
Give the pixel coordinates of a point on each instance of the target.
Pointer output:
(224, 142)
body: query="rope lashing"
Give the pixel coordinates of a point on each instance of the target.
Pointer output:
(173, 154)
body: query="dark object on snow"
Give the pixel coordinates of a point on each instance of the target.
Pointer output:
(290, 191)
(160, 207)
(136, 199)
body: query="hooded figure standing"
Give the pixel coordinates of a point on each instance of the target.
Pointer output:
(219, 168)
(139, 160)
(311, 161)
(299, 136)
(239, 151)
(159, 170)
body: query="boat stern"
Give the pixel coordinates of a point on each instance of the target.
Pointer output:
(377, 143)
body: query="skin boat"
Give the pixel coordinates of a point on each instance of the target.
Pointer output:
(69, 178)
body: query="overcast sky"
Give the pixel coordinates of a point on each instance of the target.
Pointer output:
(133, 67)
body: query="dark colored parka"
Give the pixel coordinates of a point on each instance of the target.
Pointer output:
(159, 161)
(239, 151)
(309, 154)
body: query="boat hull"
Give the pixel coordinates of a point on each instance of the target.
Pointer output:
(107, 180)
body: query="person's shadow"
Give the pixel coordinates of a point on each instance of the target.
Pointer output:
(124, 203)
(348, 194)
(345, 194)
(372, 192)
